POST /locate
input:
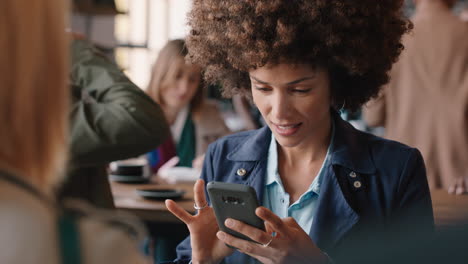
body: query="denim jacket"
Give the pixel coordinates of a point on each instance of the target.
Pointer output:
(374, 192)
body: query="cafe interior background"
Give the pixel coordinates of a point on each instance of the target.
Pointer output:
(131, 32)
(135, 30)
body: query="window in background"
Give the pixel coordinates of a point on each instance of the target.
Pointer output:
(143, 29)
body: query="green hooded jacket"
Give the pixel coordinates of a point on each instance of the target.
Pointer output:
(111, 119)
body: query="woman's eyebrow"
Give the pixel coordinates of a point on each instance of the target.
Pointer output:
(289, 83)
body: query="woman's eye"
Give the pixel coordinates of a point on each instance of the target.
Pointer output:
(301, 90)
(263, 89)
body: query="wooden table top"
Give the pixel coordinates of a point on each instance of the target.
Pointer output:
(126, 199)
(449, 210)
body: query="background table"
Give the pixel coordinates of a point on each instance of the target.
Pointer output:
(449, 210)
(126, 199)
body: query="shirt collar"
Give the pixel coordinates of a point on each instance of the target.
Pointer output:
(272, 167)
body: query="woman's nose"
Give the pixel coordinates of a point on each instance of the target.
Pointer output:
(280, 107)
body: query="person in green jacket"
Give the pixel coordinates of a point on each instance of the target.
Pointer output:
(111, 119)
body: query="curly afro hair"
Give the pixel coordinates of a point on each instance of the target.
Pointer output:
(357, 41)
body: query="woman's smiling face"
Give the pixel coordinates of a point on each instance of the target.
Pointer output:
(294, 101)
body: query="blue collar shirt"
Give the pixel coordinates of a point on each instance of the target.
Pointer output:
(276, 198)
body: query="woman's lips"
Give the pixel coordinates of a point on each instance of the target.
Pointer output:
(286, 129)
(181, 97)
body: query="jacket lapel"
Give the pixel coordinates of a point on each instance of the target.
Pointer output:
(252, 155)
(334, 216)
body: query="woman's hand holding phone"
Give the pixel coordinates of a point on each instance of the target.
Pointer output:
(289, 245)
(206, 247)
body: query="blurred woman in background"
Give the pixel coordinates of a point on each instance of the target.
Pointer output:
(176, 85)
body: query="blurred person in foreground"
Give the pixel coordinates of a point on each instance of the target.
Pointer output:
(425, 105)
(324, 187)
(111, 119)
(34, 106)
(195, 122)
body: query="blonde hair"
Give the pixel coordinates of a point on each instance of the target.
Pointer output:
(34, 92)
(164, 70)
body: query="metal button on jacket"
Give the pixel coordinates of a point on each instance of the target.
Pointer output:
(241, 172)
(357, 184)
(352, 174)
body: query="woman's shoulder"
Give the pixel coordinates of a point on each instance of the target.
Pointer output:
(23, 206)
(26, 222)
(375, 152)
(391, 154)
(388, 146)
(357, 140)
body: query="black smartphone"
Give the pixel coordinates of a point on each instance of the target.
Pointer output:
(236, 201)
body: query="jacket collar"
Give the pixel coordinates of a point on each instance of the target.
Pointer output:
(334, 216)
(255, 148)
(350, 148)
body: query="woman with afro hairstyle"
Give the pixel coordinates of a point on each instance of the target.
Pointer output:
(328, 191)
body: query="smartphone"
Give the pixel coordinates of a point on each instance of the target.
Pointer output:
(236, 201)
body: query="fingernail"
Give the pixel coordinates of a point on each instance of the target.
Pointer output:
(220, 235)
(229, 223)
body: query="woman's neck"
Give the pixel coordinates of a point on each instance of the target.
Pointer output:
(308, 152)
(171, 114)
(298, 166)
